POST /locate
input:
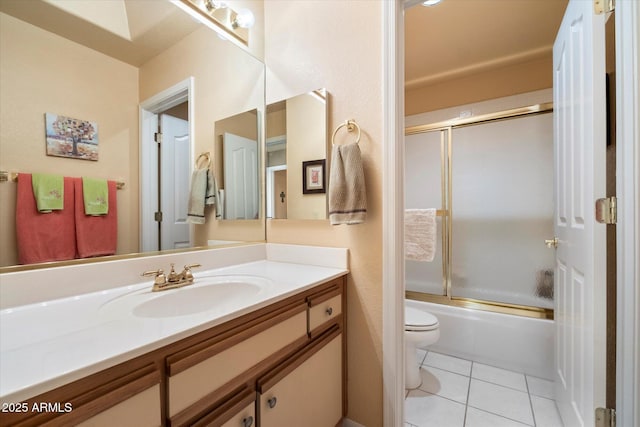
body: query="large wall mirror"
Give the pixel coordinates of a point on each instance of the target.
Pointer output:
(130, 67)
(296, 157)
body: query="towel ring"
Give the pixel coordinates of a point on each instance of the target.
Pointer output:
(351, 126)
(206, 156)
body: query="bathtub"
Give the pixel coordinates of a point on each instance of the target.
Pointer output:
(511, 342)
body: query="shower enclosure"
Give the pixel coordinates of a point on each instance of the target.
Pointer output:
(490, 178)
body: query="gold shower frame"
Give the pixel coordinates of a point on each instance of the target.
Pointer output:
(446, 138)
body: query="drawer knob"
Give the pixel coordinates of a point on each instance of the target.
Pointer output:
(272, 402)
(247, 422)
(329, 311)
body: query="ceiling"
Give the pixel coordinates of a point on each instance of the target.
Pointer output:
(132, 31)
(456, 38)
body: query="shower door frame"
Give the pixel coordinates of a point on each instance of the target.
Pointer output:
(446, 213)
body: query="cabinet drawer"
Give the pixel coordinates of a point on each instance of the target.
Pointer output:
(141, 410)
(230, 358)
(324, 311)
(310, 394)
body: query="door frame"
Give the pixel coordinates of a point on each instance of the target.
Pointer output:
(627, 16)
(148, 152)
(270, 193)
(628, 229)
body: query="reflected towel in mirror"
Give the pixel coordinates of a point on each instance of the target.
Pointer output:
(203, 192)
(48, 191)
(96, 235)
(44, 237)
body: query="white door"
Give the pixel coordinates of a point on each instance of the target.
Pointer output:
(175, 173)
(580, 141)
(240, 177)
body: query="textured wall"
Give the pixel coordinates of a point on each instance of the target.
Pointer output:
(338, 45)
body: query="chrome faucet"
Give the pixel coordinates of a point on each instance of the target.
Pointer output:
(173, 280)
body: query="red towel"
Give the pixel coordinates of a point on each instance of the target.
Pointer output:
(96, 235)
(44, 237)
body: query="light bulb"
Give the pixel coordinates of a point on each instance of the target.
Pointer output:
(244, 19)
(430, 2)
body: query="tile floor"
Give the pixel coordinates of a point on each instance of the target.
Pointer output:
(461, 393)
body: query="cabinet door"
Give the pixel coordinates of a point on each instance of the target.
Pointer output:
(239, 411)
(310, 394)
(140, 410)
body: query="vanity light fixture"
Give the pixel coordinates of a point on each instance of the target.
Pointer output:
(244, 19)
(430, 2)
(220, 17)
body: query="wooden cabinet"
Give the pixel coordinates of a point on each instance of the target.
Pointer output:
(273, 350)
(292, 352)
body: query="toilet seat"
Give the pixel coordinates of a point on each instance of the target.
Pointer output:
(418, 320)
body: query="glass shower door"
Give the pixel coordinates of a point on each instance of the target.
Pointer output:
(423, 190)
(502, 211)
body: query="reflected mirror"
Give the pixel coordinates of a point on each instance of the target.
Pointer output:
(238, 159)
(296, 156)
(133, 69)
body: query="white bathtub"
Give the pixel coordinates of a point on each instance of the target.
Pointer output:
(511, 342)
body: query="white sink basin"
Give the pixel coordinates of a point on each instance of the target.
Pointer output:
(206, 293)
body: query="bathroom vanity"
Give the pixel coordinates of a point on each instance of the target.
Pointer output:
(274, 357)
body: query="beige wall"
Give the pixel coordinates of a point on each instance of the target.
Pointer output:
(306, 140)
(41, 72)
(338, 45)
(500, 82)
(225, 84)
(276, 123)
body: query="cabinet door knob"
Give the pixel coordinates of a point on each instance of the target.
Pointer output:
(247, 422)
(329, 311)
(272, 402)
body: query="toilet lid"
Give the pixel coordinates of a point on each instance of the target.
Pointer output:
(418, 320)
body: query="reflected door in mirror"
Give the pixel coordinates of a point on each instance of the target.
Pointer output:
(241, 177)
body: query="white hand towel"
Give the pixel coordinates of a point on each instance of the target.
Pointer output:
(347, 192)
(420, 234)
(197, 194)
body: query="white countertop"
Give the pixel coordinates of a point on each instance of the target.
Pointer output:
(52, 343)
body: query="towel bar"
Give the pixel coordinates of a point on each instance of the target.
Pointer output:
(13, 177)
(207, 156)
(351, 126)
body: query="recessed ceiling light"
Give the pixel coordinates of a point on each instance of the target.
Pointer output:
(430, 2)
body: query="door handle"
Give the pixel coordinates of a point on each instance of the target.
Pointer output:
(551, 243)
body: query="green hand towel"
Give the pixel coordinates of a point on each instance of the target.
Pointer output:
(96, 196)
(48, 191)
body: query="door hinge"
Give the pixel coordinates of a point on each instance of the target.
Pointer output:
(607, 210)
(158, 216)
(605, 417)
(603, 6)
(157, 137)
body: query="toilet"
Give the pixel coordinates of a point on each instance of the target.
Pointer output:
(420, 329)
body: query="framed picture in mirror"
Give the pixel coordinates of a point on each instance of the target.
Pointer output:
(313, 180)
